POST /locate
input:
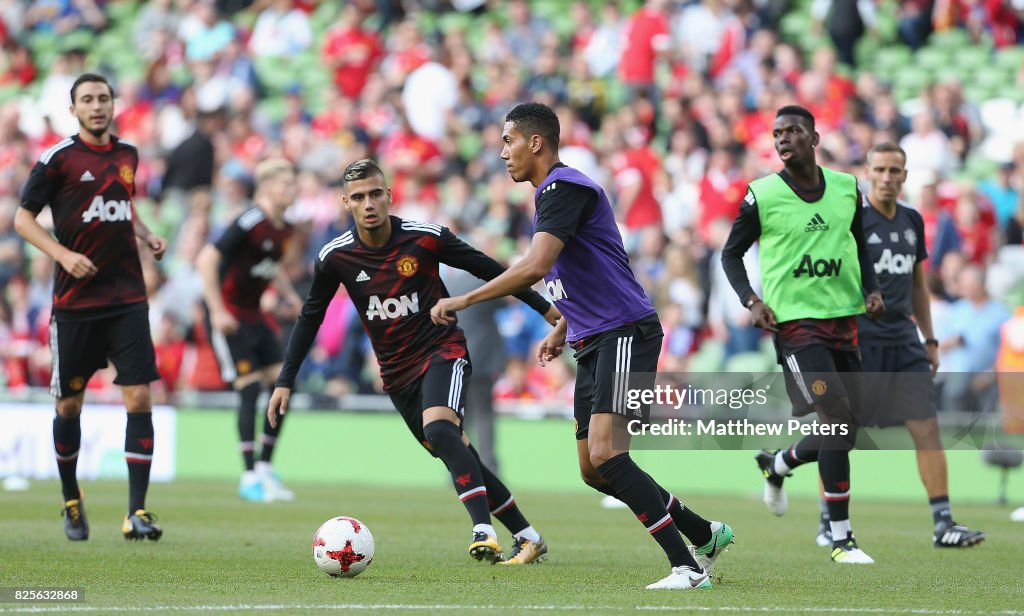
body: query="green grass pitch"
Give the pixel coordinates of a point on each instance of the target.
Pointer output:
(221, 555)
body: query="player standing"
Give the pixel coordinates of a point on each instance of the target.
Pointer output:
(99, 298)
(390, 268)
(236, 270)
(898, 368)
(612, 326)
(814, 265)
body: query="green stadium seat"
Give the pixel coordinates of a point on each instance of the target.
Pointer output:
(77, 39)
(273, 107)
(121, 11)
(911, 81)
(972, 57)
(932, 58)
(454, 21)
(977, 93)
(992, 77)
(888, 60)
(1010, 58)
(953, 39)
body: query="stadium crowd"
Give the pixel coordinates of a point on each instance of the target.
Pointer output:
(668, 103)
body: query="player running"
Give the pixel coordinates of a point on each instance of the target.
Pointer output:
(236, 270)
(390, 268)
(815, 270)
(99, 297)
(612, 326)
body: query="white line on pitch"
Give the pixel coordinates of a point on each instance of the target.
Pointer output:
(64, 608)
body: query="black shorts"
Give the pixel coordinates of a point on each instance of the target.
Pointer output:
(443, 384)
(619, 360)
(816, 374)
(898, 385)
(253, 346)
(80, 348)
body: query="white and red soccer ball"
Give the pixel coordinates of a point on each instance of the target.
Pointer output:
(343, 547)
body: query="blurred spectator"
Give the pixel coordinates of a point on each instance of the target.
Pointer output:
(914, 21)
(604, 47)
(352, 51)
(429, 94)
(281, 30)
(1013, 232)
(203, 32)
(647, 39)
(846, 21)
(729, 320)
(969, 340)
(524, 33)
(927, 147)
(1004, 193)
(64, 16)
(939, 230)
(154, 17)
(12, 256)
(975, 226)
(191, 164)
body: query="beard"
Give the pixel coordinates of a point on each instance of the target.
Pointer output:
(95, 132)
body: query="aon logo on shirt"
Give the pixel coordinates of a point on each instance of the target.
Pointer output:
(392, 307)
(265, 269)
(108, 211)
(555, 289)
(818, 268)
(898, 263)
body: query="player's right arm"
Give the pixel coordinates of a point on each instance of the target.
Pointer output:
(208, 264)
(37, 192)
(321, 292)
(746, 230)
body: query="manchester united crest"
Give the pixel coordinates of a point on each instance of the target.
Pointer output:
(127, 175)
(819, 387)
(407, 265)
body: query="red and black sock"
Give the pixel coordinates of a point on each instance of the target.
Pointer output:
(138, 452)
(834, 468)
(445, 441)
(67, 440)
(694, 527)
(247, 397)
(804, 451)
(499, 499)
(635, 488)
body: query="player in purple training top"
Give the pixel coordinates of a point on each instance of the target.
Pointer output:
(612, 326)
(99, 297)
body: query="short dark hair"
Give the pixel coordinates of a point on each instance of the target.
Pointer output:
(90, 77)
(886, 146)
(536, 119)
(796, 110)
(360, 170)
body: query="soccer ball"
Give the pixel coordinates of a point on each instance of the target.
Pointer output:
(343, 547)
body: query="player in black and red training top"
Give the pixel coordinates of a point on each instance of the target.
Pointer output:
(390, 268)
(99, 299)
(236, 270)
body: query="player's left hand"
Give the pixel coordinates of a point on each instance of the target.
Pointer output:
(158, 245)
(874, 305)
(443, 312)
